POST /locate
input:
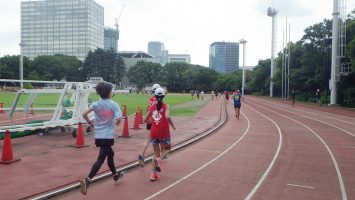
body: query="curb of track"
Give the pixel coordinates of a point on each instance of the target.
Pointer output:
(223, 117)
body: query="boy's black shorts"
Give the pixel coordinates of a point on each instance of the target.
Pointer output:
(149, 126)
(104, 142)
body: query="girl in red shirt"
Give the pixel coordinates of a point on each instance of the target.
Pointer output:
(159, 117)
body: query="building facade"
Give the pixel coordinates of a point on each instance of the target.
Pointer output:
(111, 39)
(69, 27)
(224, 56)
(131, 58)
(179, 58)
(157, 50)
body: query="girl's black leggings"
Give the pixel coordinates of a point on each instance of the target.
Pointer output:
(105, 151)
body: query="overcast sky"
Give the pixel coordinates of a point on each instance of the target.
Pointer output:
(190, 26)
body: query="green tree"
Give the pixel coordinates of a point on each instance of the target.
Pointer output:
(145, 72)
(55, 67)
(106, 64)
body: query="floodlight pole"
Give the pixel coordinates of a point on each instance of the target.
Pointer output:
(272, 12)
(21, 65)
(243, 42)
(333, 81)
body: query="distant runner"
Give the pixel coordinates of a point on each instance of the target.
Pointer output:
(237, 96)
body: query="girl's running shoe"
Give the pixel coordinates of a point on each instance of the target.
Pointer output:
(154, 176)
(141, 160)
(118, 176)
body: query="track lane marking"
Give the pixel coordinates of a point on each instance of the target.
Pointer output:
(351, 134)
(203, 150)
(33, 117)
(203, 166)
(302, 186)
(263, 177)
(350, 147)
(324, 115)
(335, 163)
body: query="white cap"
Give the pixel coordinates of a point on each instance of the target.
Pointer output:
(159, 92)
(155, 86)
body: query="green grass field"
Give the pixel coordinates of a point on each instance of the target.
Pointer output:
(132, 101)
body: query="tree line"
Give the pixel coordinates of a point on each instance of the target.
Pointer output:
(310, 62)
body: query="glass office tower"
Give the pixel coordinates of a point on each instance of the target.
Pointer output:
(69, 27)
(224, 56)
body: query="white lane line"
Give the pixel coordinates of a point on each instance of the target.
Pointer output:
(322, 115)
(316, 120)
(350, 147)
(32, 117)
(204, 150)
(302, 186)
(203, 166)
(263, 177)
(340, 178)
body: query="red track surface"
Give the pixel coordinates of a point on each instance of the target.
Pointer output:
(273, 152)
(48, 161)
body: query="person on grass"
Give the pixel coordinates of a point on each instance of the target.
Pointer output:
(159, 116)
(152, 101)
(107, 114)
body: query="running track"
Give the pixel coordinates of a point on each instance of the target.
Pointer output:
(273, 152)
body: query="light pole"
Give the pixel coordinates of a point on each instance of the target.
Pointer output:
(243, 42)
(333, 81)
(272, 12)
(21, 65)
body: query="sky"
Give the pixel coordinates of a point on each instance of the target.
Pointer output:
(190, 26)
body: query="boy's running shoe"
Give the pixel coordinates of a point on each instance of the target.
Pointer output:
(154, 176)
(84, 184)
(157, 162)
(118, 176)
(141, 160)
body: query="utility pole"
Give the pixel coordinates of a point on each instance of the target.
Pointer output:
(243, 42)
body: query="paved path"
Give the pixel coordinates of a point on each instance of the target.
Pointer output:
(273, 152)
(48, 161)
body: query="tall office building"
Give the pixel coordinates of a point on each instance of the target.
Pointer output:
(111, 39)
(157, 49)
(69, 27)
(224, 56)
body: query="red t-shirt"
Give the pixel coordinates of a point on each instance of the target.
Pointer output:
(160, 125)
(152, 101)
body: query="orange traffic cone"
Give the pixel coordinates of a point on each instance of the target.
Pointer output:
(125, 132)
(136, 121)
(1, 106)
(140, 116)
(80, 137)
(7, 156)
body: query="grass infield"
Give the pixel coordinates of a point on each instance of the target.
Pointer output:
(132, 101)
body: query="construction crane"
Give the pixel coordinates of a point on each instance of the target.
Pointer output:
(119, 16)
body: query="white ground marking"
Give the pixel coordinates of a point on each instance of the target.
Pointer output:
(350, 147)
(340, 178)
(263, 177)
(324, 114)
(316, 120)
(32, 117)
(302, 186)
(203, 166)
(204, 150)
